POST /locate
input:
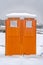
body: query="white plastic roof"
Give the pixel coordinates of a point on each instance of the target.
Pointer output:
(24, 15)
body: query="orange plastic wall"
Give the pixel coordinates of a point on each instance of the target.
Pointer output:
(20, 40)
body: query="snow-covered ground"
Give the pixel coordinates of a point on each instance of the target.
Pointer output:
(2, 43)
(22, 60)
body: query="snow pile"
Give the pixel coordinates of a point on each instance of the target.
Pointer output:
(24, 15)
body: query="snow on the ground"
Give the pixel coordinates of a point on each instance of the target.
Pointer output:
(2, 38)
(21, 60)
(39, 43)
(2, 43)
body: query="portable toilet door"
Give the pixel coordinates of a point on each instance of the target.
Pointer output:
(20, 36)
(12, 36)
(29, 36)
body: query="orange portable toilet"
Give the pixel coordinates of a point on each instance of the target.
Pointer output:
(20, 34)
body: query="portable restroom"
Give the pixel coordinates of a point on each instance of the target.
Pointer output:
(20, 34)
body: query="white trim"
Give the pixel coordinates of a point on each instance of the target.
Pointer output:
(13, 23)
(28, 24)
